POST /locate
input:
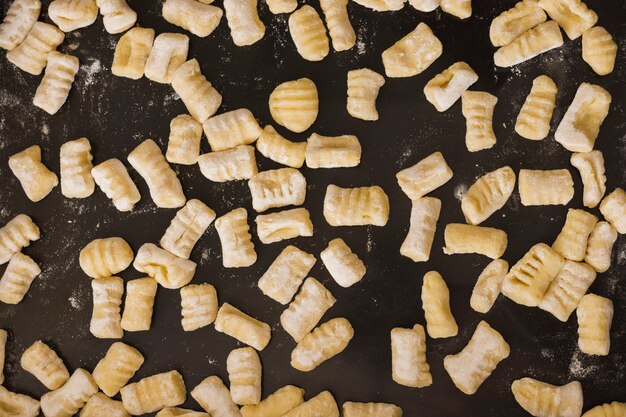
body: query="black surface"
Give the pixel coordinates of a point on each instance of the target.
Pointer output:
(116, 114)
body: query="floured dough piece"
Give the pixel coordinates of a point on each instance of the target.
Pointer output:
(117, 16)
(447, 87)
(459, 8)
(332, 151)
(567, 289)
(277, 188)
(71, 397)
(231, 129)
(275, 147)
(199, 96)
(338, 22)
(100, 404)
(45, 365)
(408, 357)
(139, 305)
(533, 121)
(413, 53)
(599, 50)
(286, 224)
(600, 246)
(419, 239)
(186, 228)
(234, 232)
(17, 278)
(544, 188)
(613, 208)
(277, 404)
(242, 327)
(540, 39)
(282, 6)
(31, 55)
(244, 373)
(544, 400)
(132, 52)
(511, 23)
(113, 179)
(70, 15)
(363, 87)
(168, 53)
(153, 393)
(487, 195)
(478, 108)
(56, 83)
(572, 15)
(16, 235)
(197, 17)
(243, 20)
(117, 367)
(294, 104)
(427, 175)
(613, 409)
(107, 299)
(34, 177)
(168, 270)
(595, 315)
(464, 238)
(214, 397)
(352, 409)
(322, 404)
(326, 341)
(358, 206)
(488, 285)
(591, 168)
(309, 34)
(571, 243)
(198, 306)
(19, 405)
(20, 18)
(440, 322)
(103, 258)
(343, 265)
(76, 166)
(282, 279)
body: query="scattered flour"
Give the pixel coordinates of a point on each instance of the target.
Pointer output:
(90, 72)
(459, 191)
(77, 299)
(577, 367)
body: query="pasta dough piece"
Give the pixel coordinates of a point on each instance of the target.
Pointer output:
(571, 243)
(153, 393)
(117, 367)
(242, 327)
(168, 53)
(595, 315)
(469, 368)
(234, 232)
(17, 405)
(567, 289)
(70, 15)
(338, 22)
(168, 270)
(447, 87)
(580, 126)
(194, 16)
(308, 34)
(326, 341)
(231, 129)
(533, 121)
(408, 357)
(275, 147)
(613, 409)
(45, 365)
(281, 280)
(333, 151)
(295, 104)
(277, 404)
(360, 206)
(176, 412)
(16, 235)
(572, 15)
(600, 246)
(71, 397)
(488, 285)
(100, 404)
(103, 258)
(591, 168)
(343, 265)
(282, 6)
(459, 8)
(440, 322)
(363, 87)
(117, 16)
(544, 400)
(243, 20)
(613, 208)
(107, 299)
(186, 228)
(214, 397)
(545, 188)
(184, 141)
(529, 279)
(382, 5)
(510, 24)
(599, 50)
(112, 177)
(76, 166)
(139, 303)
(19, 19)
(244, 373)
(56, 84)
(132, 52)
(199, 96)
(542, 38)
(282, 225)
(419, 240)
(487, 195)
(3, 343)
(230, 165)
(352, 409)
(17, 278)
(34, 177)
(165, 187)
(199, 306)
(307, 309)
(412, 54)
(424, 5)
(31, 55)
(465, 238)
(478, 107)
(427, 175)
(277, 188)
(323, 404)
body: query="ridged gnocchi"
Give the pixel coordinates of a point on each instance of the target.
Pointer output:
(168, 53)
(413, 53)
(488, 285)
(275, 147)
(199, 96)
(71, 397)
(440, 322)
(544, 400)
(338, 22)
(234, 233)
(19, 19)
(409, 366)
(599, 50)
(197, 17)
(34, 177)
(544, 188)
(103, 258)
(132, 52)
(139, 304)
(276, 404)
(590, 165)
(231, 129)
(533, 120)
(358, 206)
(448, 86)
(31, 55)
(613, 208)
(70, 15)
(45, 365)
(423, 224)
(600, 246)
(572, 15)
(284, 276)
(168, 270)
(56, 83)
(567, 289)
(542, 38)
(198, 306)
(487, 195)
(76, 166)
(16, 235)
(478, 108)
(244, 372)
(595, 315)
(326, 341)
(242, 327)
(105, 316)
(282, 225)
(277, 188)
(427, 175)
(186, 228)
(363, 87)
(17, 278)
(332, 151)
(571, 243)
(510, 24)
(295, 104)
(343, 265)
(117, 367)
(229, 165)
(243, 20)
(308, 34)
(307, 309)
(113, 179)
(153, 393)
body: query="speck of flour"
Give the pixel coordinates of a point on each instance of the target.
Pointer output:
(577, 368)
(90, 72)
(77, 299)
(459, 191)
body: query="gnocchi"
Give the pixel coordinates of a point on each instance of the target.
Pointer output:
(571, 243)
(464, 238)
(306, 310)
(542, 38)
(607, 410)
(440, 322)
(544, 400)
(469, 368)
(117, 367)
(244, 372)
(338, 22)
(600, 246)
(282, 6)
(487, 195)
(510, 24)
(599, 50)
(231, 129)
(282, 225)
(153, 393)
(590, 165)
(408, 357)
(277, 188)
(281, 280)
(423, 223)
(107, 299)
(199, 306)
(176, 412)
(323, 404)
(45, 365)
(277, 404)
(193, 16)
(572, 15)
(186, 228)
(132, 52)
(103, 258)
(412, 54)
(56, 84)
(34, 177)
(230, 165)
(168, 53)
(595, 315)
(613, 208)
(242, 327)
(543, 188)
(382, 5)
(275, 147)
(117, 16)
(71, 397)
(243, 20)
(478, 107)
(16, 235)
(295, 104)
(234, 233)
(425, 5)
(459, 8)
(139, 303)
(580, 126)
(308, 34)
(184, 141)
(567, 289)
(101, 404)
(112, 177)
(488, 286)
(199, 96)
(31, 55)
(533, 121)
(343, 265)
(332, 151)
(17, 278)
(70, 15)
(168, 270)
(17, 404)
(215, 398)
(326, 341)
(76, 166)
(19, 19)
(447, 87)
(427, 175)
(352, 409)
(358, 206)
(363, 87)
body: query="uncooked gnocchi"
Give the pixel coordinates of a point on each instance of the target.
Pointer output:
(35, 178)
(234, 232)
(295, 104)
(358, 206)
(487, 195)
(169, 270)
(19, 19)
(308, 34)
(413, 53)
